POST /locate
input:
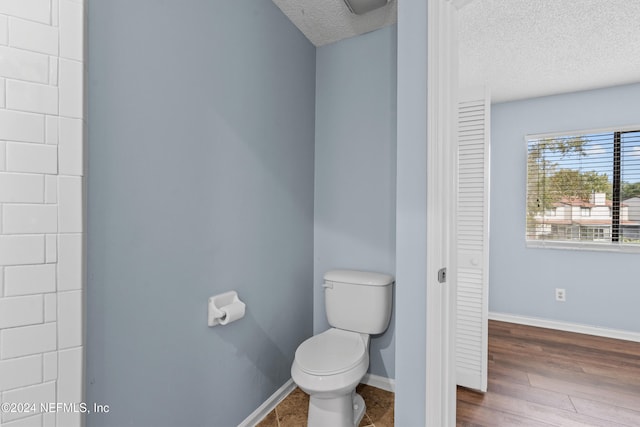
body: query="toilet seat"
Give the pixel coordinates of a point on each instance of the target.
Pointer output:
(330, 353)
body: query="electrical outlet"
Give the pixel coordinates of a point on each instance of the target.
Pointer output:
(561, 295)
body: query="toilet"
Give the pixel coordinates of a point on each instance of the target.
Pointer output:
(330, 365)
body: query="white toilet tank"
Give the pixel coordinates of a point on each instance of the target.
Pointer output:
(358, 301)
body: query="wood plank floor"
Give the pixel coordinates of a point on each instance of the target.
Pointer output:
(543, 377)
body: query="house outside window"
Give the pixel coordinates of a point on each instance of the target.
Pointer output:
(583, 190)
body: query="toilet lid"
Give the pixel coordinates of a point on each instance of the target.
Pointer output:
(331, 352)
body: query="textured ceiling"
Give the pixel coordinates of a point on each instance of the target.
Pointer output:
(518, 48)
(327, 21)
(523, 48)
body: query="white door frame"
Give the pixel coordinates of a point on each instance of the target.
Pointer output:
(442, 85)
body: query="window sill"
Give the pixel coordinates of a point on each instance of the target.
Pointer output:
(583, 246)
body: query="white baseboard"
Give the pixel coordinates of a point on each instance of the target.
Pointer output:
(388, 384)
(568, 327)
(269, 404)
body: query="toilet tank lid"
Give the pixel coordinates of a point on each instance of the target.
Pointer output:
(358, 277)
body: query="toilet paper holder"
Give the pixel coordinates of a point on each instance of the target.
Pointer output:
(225, 308)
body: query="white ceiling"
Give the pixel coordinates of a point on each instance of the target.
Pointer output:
(524, 48)
(327, 21)
(518, 48)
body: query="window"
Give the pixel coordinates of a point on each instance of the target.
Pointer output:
(584, 188)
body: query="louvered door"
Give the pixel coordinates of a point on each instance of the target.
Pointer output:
(472, 239)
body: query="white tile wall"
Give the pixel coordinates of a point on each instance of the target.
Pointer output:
(70, 382)
(70, 147)
(28, 340)
(70, 81)
(50, 366)
(29, 279)
(35, 158)
(51, 248)
(33, 36)
(67, 418)
(70, 204)
(20, 372)
(55, 12)
(18, 126)
(69, 310)
(4, 39)
(51, 188)
(21, 249)
(42, 133)
(49, 420)
(32, 421)
(69, 262)
(53, 70)
(24, 65)
(21, 311)
(71, 27)
(36, 10)
(33, 97)
(51, 130)
(69, 368)
(3, 157)
(2, 90)
(45, 392)
(21, 188)
(29, 219)
(50, 307)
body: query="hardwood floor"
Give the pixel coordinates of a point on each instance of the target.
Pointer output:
(537, 377)
(542, 377)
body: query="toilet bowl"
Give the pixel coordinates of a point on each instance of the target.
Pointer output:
(329, 366)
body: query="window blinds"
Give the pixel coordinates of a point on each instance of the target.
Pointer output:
(584, 187)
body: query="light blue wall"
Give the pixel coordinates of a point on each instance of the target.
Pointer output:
(201, 139)
(411, 214)
(355, 168)
(602, 288)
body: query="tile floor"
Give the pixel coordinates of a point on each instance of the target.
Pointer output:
(292, 411)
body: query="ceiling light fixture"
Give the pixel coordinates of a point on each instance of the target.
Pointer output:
(360, 7)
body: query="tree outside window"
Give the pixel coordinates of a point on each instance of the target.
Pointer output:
(584, 187)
